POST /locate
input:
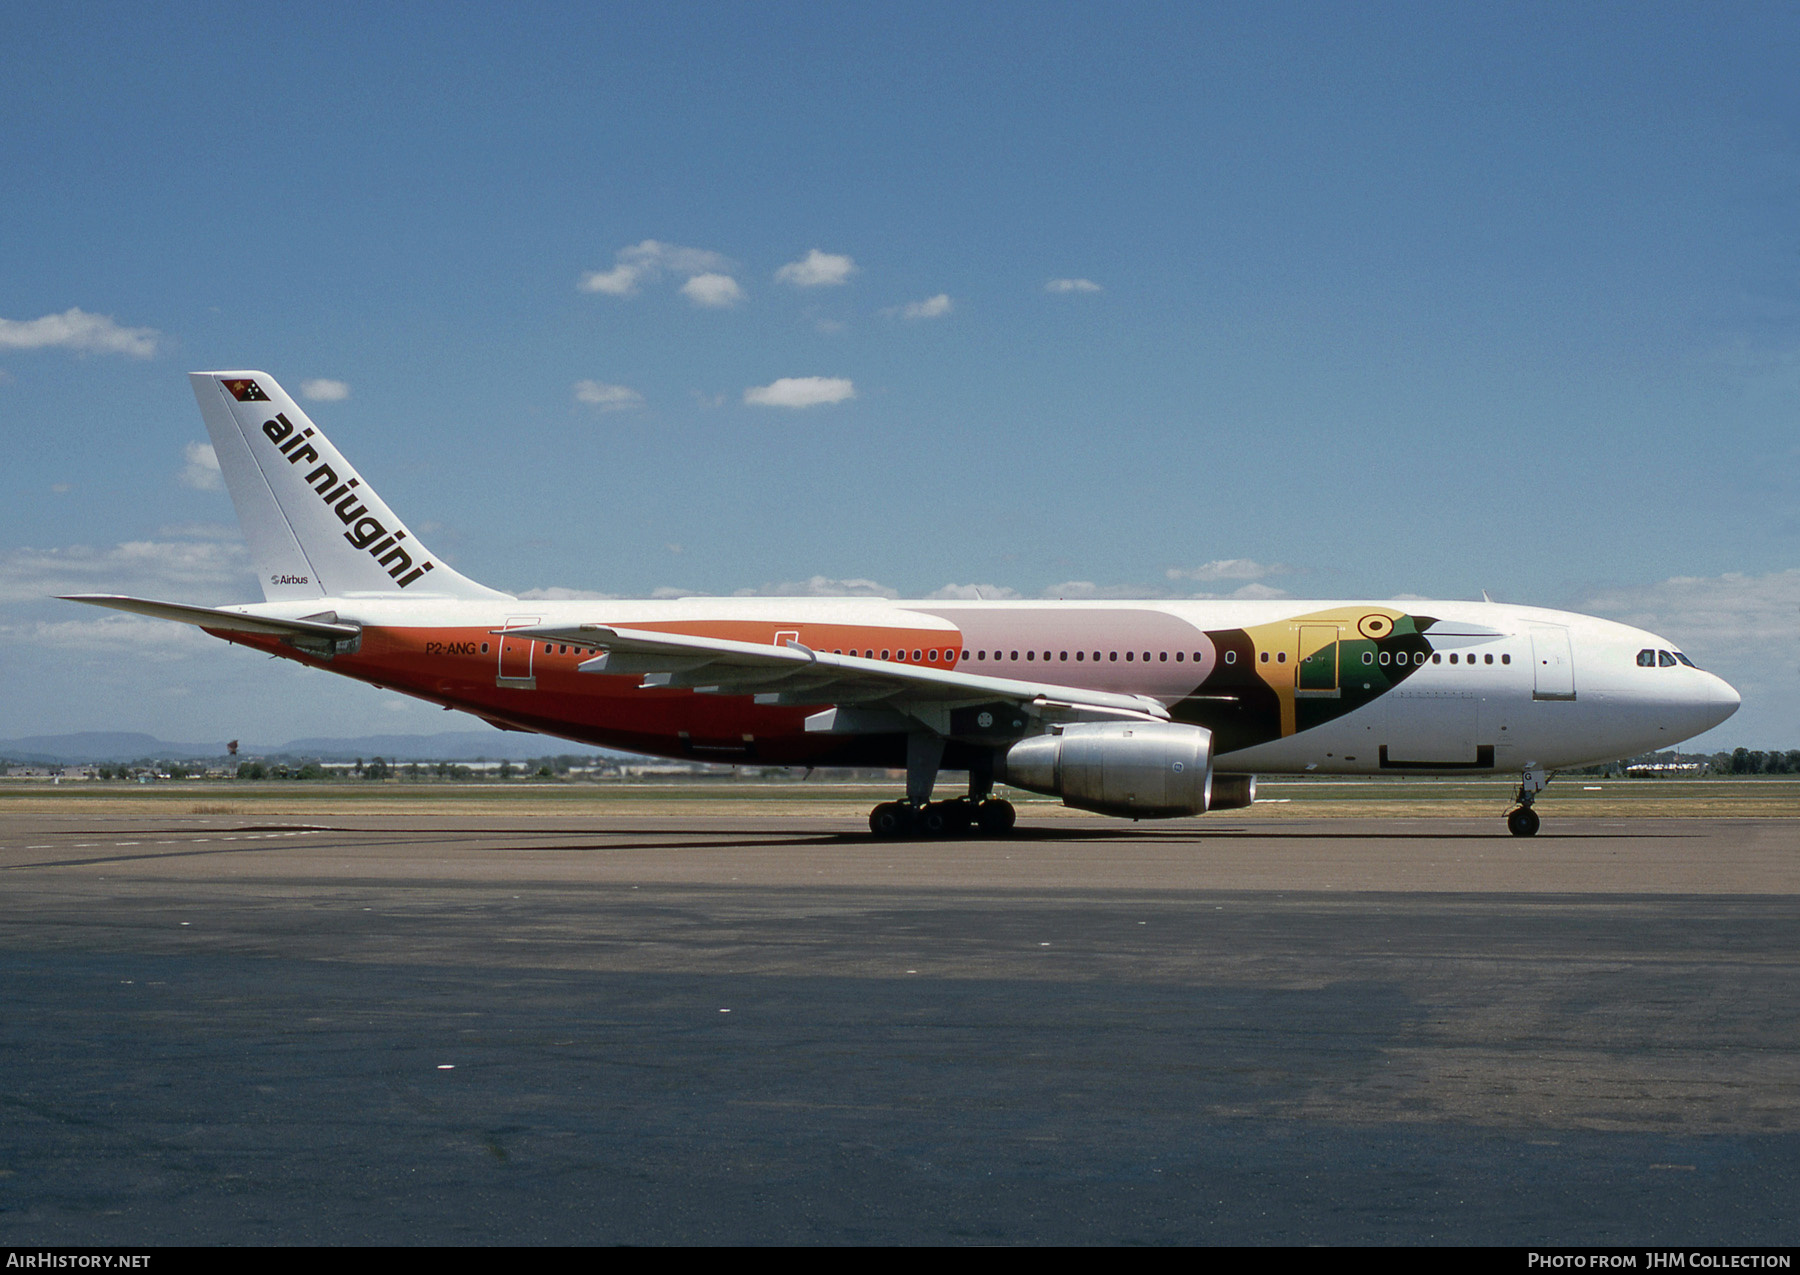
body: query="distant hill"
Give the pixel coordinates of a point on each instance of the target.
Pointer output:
(460, 745)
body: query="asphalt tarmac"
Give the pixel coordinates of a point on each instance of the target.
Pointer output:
(719, 1029)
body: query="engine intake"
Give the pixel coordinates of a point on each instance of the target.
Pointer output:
(1136, 770)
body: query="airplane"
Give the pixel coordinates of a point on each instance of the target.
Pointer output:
(1142, 710)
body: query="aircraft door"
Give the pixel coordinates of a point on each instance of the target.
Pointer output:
(1316, 667)
(1552, 663)
(515, 655)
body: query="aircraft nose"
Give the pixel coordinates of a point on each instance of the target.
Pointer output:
(1718, 699)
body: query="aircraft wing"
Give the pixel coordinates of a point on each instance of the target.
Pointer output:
(798, 675)
(316, 628)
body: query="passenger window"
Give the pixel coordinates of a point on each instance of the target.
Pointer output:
(1436, 658)
(1506, 659)
(1281, 657)
(1487, 659)
(1231, 657)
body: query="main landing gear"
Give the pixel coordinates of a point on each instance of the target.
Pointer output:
(1522, 820)
(919, 816)
(958, 818)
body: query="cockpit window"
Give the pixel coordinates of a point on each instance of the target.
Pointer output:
(1646, 659)
(1685, 660)
(1665, 660)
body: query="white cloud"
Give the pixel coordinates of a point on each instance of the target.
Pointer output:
(1071, 285)
(801, 391)
(608, 398)
(647, 261)
(931, 308)
(139, 637)
(620, 281)
(320, 390)
(557, 593)
(1746, 619)
(653, 255)
(76, 329)
(185, 570)
(1229, 569)
(717, 291)
(817, 270)
(973, 593)
(202, 470)
(1258, 590)
(1079, 589)
(821, 587)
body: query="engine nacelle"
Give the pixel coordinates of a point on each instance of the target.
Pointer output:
(1136, 770)
(1233, 792)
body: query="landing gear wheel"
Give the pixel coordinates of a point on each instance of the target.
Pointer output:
(995, 818)
(891, 819)
(1522, 822)
(933, 821)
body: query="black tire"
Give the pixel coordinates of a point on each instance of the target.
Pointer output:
(1522, 822)
(995, 818)
(890, 819)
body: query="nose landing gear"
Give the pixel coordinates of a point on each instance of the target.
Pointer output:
(1522, 820)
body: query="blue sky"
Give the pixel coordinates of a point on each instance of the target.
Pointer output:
(1354, 301)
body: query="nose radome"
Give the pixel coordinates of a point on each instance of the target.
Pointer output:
(1721, 698)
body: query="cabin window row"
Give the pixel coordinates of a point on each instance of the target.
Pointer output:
(953, 656)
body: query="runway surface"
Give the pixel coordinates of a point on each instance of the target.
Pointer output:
(710, 1028)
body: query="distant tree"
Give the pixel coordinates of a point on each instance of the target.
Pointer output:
(506, 770)
(378, 769)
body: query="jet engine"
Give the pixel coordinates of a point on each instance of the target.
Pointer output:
(1136, 770)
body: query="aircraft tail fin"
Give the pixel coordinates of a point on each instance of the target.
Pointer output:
(315, 527)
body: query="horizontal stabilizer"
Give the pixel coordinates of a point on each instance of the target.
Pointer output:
(214, 618)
